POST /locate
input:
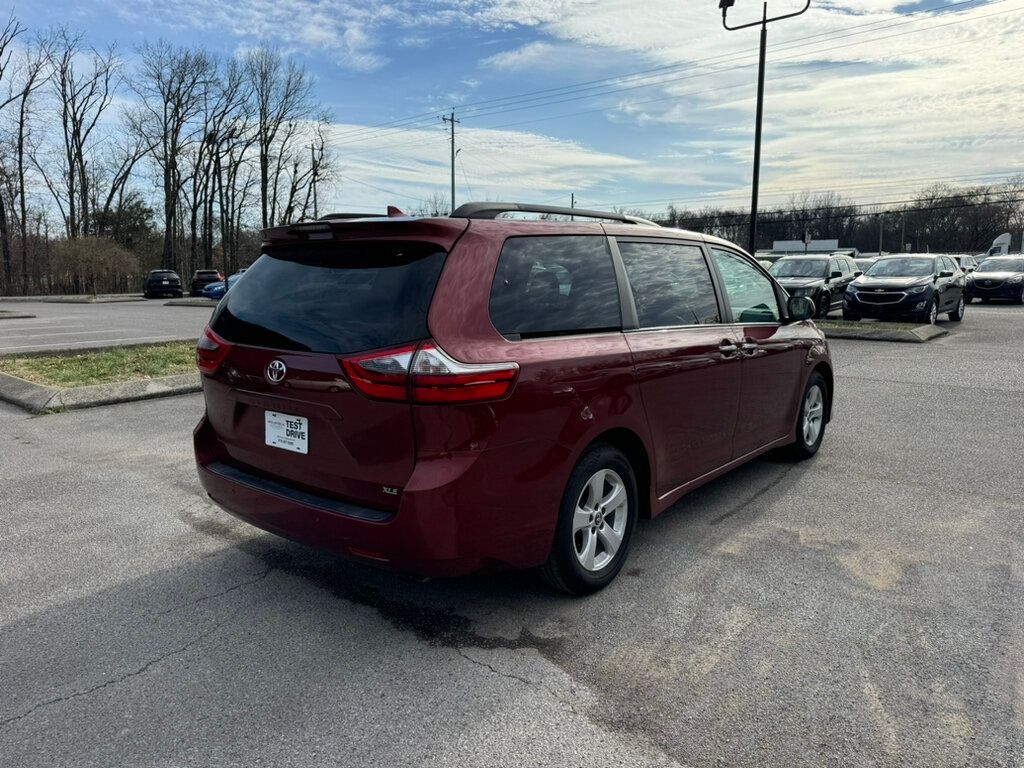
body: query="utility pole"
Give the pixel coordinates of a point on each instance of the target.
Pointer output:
(572, 204)
(881, 225)
(725, 5)
(453, 121)
(313, 163)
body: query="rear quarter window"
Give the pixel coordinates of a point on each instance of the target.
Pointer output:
(338, 298)
(551, 286)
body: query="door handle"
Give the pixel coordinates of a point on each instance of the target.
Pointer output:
(728, 349)
(749, 347)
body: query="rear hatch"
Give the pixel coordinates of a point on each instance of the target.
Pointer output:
(280, 401)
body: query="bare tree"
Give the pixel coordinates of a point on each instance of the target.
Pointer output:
(170, 86)
(83, 80)
(8, 34)
(283, 95)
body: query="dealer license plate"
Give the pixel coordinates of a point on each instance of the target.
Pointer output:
(286, 431)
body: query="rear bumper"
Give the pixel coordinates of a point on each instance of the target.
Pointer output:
(456, 515)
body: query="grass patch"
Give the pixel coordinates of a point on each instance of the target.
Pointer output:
(865, 325)
(104, 366)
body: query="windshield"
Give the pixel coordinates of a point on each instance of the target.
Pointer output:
(335, 298)
(1001, 265)
(799, 268)
(901, 268)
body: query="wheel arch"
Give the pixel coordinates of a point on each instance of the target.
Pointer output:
(630, 443)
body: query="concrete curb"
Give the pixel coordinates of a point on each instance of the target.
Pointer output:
(36, 398)
(12, 315)
(919, 335)
(107, 298)
(191, 301)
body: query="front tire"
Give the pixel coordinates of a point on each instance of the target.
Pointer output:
(810, 422)
(931, 313)
(595, 525)
(825, 307)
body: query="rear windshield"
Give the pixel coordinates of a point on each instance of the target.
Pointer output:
(333, 298)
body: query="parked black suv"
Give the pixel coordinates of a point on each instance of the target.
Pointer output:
(822, 279)
(919, 288)
(202, 278)
(997, 277)
(162, 282)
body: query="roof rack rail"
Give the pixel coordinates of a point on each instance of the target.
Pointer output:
(493, 210)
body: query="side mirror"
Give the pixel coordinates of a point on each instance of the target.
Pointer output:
(945, 273)
(857, 274)
(836, 274)
(800, 308)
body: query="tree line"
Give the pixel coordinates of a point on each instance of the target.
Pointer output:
(112, 165)
(939, 218)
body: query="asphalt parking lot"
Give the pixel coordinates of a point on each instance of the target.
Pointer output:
(73, 326)
(860, 609)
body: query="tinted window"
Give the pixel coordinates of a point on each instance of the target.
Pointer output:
(546, 286)
(750, 293)
(335, 298)
(671, 284)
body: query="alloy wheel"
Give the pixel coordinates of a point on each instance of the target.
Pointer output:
(933, 313)
(814, 415)
(599, 520)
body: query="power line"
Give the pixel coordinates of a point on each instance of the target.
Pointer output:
(518, 103)
(846, 215)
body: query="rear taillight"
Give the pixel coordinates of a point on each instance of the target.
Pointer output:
(426, 374)
(381, 375)
(210, 352)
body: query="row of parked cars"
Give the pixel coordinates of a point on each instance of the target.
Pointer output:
(918, 287)
(209, 283)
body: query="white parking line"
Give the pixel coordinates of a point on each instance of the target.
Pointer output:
(67, 344)
(74, 333)
(30, 332)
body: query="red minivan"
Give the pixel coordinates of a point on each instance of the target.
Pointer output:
(444, 395)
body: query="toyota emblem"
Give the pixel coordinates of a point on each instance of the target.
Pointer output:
(276, 371)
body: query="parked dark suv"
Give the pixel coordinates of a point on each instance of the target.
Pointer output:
(162, 282)
(202, 278)
(822, 279)
(449, 394)
(917, 288)
(997, 277)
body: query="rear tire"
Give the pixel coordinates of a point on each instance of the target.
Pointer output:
(595, 524)
(1020, 299)
(958, 314)
(810, 421)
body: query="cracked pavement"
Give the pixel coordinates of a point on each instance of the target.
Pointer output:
(860, 609)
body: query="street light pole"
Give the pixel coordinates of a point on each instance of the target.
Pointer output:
(725, 5)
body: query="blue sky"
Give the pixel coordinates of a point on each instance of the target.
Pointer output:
(860, 99)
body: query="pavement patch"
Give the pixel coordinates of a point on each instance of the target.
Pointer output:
(7, 314)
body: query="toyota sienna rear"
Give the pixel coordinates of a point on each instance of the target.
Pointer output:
(446, 395)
